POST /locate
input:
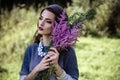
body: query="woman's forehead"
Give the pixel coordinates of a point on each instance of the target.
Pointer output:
(47, 14)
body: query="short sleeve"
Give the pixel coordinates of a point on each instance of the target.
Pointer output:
(26, 62)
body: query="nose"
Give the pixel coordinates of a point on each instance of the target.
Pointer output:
(41, 22)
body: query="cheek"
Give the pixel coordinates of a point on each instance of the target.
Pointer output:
(48, 29)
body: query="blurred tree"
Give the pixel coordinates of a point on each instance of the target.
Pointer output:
(113, 19)
(8, 4)
(113, 22)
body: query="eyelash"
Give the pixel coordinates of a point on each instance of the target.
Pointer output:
(46, 20)
(49, 22)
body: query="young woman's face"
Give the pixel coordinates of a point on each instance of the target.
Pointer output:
(46, 21)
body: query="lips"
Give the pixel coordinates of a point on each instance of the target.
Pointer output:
(40, 28)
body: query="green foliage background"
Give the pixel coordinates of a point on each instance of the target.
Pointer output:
(98, 57)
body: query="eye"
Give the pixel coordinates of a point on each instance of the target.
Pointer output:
(48, 21)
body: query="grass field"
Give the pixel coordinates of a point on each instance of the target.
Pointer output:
(98, 59)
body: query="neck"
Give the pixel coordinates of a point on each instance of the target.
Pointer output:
(46, 40)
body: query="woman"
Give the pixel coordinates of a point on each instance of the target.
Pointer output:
(36, 59)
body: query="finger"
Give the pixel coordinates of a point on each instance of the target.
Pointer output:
(46, 57)
(46, 67)
(53, 49)
(51, 54)
(52, 62)
(48, 60)
(47, 64)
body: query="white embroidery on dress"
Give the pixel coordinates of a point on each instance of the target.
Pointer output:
(40, 50)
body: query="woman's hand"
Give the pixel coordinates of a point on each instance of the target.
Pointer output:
(44, 64)
(50, 58)
(53, 56)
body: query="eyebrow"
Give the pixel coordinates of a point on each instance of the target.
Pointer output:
(46, 18)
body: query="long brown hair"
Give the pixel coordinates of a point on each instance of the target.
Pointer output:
(57, 10)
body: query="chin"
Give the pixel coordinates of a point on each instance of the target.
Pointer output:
(43, 33)
(40, 32)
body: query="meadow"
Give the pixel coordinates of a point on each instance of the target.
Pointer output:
(98, 57)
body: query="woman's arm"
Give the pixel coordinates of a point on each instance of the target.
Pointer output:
(62, 75)
(31, 75)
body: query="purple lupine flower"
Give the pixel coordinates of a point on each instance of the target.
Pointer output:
(64, 35)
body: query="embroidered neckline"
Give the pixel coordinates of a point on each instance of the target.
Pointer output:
(40, 50)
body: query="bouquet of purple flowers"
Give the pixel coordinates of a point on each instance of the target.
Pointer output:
(63, 34)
